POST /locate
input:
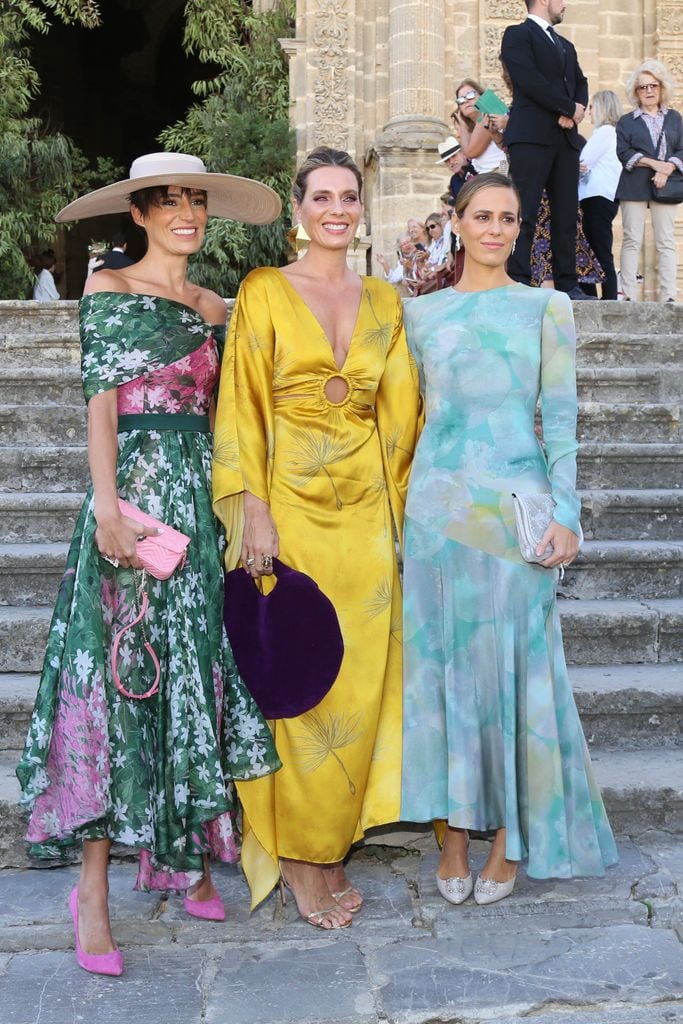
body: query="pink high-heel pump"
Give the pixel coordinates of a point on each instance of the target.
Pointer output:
(95, 963)
(207, 910)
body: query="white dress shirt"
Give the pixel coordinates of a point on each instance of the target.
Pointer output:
(45, 289)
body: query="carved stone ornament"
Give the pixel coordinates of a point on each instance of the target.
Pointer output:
(506, 10)
(330, 39)
(670, 20)
(490, 57)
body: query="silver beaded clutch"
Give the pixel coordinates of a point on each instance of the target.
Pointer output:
(533, 515)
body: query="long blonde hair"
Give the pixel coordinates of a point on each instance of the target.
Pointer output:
(607, 108)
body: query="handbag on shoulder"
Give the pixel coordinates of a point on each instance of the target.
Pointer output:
(672, 192)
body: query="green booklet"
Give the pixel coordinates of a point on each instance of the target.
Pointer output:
(490, 103)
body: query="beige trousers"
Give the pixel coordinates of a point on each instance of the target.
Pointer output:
(663, 216)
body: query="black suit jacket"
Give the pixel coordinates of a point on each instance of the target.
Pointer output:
(114, 260)
(546, 82)
(633, 136)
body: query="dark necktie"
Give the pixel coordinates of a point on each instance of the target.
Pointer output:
(553, 34)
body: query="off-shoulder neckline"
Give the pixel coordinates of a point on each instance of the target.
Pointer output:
(151, 295)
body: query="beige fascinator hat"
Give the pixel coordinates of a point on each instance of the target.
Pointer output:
(228, 195)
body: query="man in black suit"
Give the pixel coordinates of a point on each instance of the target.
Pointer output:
(550, 93)
(116, 258)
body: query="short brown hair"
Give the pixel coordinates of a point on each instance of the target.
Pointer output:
(145, 198)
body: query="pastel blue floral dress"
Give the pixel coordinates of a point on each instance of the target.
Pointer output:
(492, 737)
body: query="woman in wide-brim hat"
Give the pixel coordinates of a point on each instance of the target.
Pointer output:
(100, 766)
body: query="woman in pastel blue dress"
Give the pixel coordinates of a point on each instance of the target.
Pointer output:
(492, 737)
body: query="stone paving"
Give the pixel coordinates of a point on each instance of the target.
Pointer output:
(597, 951)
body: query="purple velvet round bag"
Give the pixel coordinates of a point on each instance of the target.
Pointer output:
(287, 644)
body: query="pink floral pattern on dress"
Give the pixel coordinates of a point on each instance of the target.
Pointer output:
(153, 774)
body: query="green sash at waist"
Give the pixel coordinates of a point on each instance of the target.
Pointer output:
(164, 421)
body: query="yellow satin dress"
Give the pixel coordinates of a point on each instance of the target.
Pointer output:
(335, 475)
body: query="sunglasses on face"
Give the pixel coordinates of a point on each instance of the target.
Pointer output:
(471, 95)
(430, 227)
(647, 87)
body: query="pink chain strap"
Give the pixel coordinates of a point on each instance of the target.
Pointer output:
(144, 605)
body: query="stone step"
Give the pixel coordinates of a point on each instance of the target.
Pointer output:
(634, 317)
(611, 632)
(41, 385)
(619, 383)
(627, 706)
(620, 705)
(43, 424)
(17, 696)
(627, 346)
(632, 514)
(599, 632)
(628, 421)
(39, 333)
(629, 465)
(30, 573)
(625, 569)
(42, 467)
(23, 638)
(40, 517)
(642, 789)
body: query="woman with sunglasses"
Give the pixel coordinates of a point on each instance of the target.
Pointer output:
(650, 148)
(475, 136)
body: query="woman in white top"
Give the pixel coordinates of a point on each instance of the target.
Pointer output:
(475, 136)
(45, 289)
(600, 173)
(439, 247)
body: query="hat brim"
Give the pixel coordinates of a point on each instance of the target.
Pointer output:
(229, 196)
(448, 155)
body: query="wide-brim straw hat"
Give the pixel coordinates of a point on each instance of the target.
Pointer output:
(228, 195)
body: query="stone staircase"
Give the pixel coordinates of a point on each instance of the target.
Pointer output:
(622, 612)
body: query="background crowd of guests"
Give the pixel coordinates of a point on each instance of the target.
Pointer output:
(571, 189)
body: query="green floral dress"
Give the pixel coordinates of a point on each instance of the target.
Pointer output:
(154, 774)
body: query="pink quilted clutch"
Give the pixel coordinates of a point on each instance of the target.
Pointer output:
(162, 553)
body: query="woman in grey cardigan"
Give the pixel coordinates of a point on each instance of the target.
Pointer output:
(650, 147)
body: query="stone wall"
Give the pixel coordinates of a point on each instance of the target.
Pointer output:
(377, 77)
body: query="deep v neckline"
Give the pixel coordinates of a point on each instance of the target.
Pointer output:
(328, 343)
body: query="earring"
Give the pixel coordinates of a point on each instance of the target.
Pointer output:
(457, 243)
(356, 241)
(301, 238)
(514, 246)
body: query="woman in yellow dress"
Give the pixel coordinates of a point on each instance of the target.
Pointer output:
(315, 431)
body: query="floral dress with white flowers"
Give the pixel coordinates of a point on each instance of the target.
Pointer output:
(155, 774)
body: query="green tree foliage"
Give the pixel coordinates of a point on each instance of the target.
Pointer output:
(40, 171)
(241, 126)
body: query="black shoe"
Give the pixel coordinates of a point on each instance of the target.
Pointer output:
(576, 294)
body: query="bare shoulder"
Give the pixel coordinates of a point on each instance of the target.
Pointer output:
(106, 281)
(211, 306)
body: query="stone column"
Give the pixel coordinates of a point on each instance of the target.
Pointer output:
(402, 161)
(416, 69)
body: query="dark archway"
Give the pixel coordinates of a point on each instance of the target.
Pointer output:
(113, 90)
